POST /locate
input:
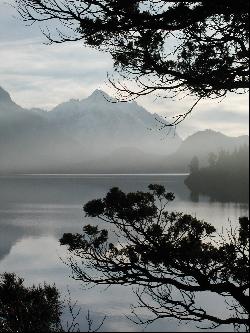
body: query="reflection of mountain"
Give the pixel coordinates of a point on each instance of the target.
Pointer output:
(41, 206)
(75, 132)
(7, 239)
(9, 235)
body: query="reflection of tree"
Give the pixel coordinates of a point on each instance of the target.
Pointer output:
(170, 256)
(194, 196)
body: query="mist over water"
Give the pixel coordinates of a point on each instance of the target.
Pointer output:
(89, 135)
(93, 135)
(35, 210)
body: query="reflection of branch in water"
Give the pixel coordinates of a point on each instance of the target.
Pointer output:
(72, 326)
(90, 323)
(170, 256)
(74, 311)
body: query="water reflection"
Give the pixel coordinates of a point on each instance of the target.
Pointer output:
(36, 259)
(35, 211)
(51, 205)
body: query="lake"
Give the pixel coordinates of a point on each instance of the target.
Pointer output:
(35, 211)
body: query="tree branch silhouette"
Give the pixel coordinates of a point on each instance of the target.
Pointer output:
(171, 257)
(197, 48)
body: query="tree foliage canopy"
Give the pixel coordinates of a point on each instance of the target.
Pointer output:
(172, 257)
(197, 47)
(223, 169)
(28, 309)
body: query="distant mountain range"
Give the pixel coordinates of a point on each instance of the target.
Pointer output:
(201, 144)
(99, 135)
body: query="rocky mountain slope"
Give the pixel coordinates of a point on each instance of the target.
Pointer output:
(76, 132)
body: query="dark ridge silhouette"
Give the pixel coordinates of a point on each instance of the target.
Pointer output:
(225, 179)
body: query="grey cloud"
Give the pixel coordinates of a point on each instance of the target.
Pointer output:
(39, 75)
(11, 26)
(229, 116)
(43, 76)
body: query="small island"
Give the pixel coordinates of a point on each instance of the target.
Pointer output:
(225, 178)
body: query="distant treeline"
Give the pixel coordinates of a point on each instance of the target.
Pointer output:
(226, 178)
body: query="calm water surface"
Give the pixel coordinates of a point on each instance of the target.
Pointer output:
(35, 211)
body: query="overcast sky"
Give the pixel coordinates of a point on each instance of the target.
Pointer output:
(39, 75)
